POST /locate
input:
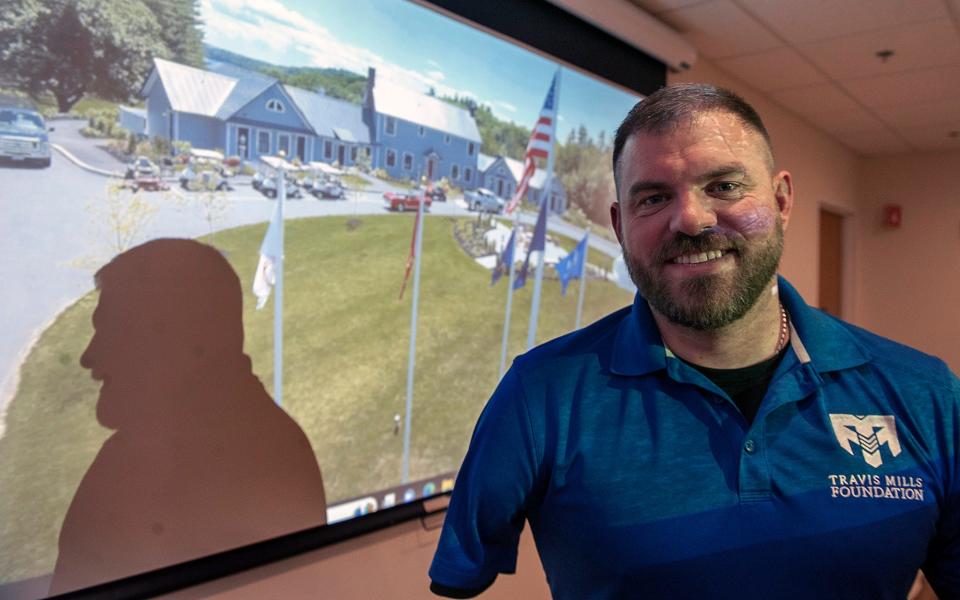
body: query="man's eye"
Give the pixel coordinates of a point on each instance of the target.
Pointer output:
(653, 200)
(725, 188)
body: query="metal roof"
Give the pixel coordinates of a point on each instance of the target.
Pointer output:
(331, 117)
(397, 101)
(484, 161)
(250, 84)
(192, 90)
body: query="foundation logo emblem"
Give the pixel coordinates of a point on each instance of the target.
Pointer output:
(870, 432)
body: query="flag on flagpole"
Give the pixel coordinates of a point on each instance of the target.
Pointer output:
(538, 243)
(505, 259)
(266, 276)
(539, 146)
(413, 252)
(571, 266)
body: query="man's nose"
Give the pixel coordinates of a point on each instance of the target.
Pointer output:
(87, 358)
(693, 212)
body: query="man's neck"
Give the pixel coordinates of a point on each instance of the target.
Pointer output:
(747, 341)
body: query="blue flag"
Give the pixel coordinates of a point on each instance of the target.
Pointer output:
(570, 266)
(505, 259)
(538, 242)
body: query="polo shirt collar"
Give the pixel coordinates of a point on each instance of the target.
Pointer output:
(819, 339)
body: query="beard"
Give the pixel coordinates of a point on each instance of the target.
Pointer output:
(713, 301)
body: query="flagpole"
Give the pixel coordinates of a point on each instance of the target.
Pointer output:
(418, 245)
(583, 278)
(278, 298)
(506, 318)
(547, 184)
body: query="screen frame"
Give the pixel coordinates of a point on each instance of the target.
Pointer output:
(537, 26)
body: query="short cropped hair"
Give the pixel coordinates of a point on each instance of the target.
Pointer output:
(672, 105)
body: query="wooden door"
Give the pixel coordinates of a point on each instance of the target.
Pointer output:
(831, 262)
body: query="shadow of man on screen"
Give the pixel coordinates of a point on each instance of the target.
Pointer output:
(201, 458)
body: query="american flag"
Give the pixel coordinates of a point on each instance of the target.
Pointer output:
(539, 146)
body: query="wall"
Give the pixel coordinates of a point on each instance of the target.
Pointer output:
(911, 275)
(824, 172)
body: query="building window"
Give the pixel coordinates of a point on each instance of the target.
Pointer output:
(390, 126)
(327, 149)
(353, 154)
(274, 105)
(467, 174)
(407, 161)
(263, 142)
(470, 148)
(455, 172)
(391, 157)
(421, 131)
(446, 138)
(283, 144)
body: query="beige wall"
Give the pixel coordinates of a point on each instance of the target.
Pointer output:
(910, 276)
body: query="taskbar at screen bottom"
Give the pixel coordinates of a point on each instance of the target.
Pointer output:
(390, 497)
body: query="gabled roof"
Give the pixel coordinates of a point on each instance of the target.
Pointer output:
(484, 161)
(331, 117)
(191, 90)
(250, 84)
(397, 101)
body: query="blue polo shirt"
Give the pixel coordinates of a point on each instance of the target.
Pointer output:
(640, 478)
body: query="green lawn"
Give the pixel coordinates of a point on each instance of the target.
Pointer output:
(346, 341)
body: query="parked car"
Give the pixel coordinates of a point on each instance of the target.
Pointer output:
(23, 136)
(483, 200)
(142, 167)
(401, 201)
(436, 193)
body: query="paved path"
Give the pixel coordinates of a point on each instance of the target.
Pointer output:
(89, 150)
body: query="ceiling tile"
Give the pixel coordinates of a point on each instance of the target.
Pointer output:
(875, 143)
(931, 139)
(846, 121)
(812, 20)
(911, 87)
(934, 43)
(658, 6)
(812, 100)
(773, 70)
(940, 113)
(720, 29)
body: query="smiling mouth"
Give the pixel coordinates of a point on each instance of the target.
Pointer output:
(699, 257)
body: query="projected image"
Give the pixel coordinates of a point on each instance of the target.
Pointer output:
(375, 208)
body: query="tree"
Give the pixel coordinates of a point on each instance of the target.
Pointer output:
(179, 29)
(583, 167)
(73, 47)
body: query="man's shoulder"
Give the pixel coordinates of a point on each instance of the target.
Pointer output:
(896, 358)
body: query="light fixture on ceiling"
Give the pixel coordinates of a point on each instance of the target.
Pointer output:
(884, 55)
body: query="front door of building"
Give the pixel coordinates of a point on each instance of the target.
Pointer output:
(301, 148)
(341, 154)
(243, 142)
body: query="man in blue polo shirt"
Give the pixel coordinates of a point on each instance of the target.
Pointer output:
(719, 438)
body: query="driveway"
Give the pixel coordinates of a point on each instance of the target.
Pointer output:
(89, 150)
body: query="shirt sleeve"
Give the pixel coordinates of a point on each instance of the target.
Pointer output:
(942, 567)
(491, 495)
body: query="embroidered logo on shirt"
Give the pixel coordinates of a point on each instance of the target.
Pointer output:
(869, 432)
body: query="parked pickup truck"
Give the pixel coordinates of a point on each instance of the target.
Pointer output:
(405, 201)
(483, 200)
(23, 136)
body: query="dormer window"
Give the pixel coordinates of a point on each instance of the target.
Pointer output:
(275, 105)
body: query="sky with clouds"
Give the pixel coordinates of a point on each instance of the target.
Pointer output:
(415, 47)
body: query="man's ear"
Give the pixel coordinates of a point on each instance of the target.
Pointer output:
(783, 194)
(615, 220)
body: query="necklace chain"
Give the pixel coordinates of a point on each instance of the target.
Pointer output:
(784, 331)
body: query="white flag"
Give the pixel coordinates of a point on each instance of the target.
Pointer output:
(266, 277)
